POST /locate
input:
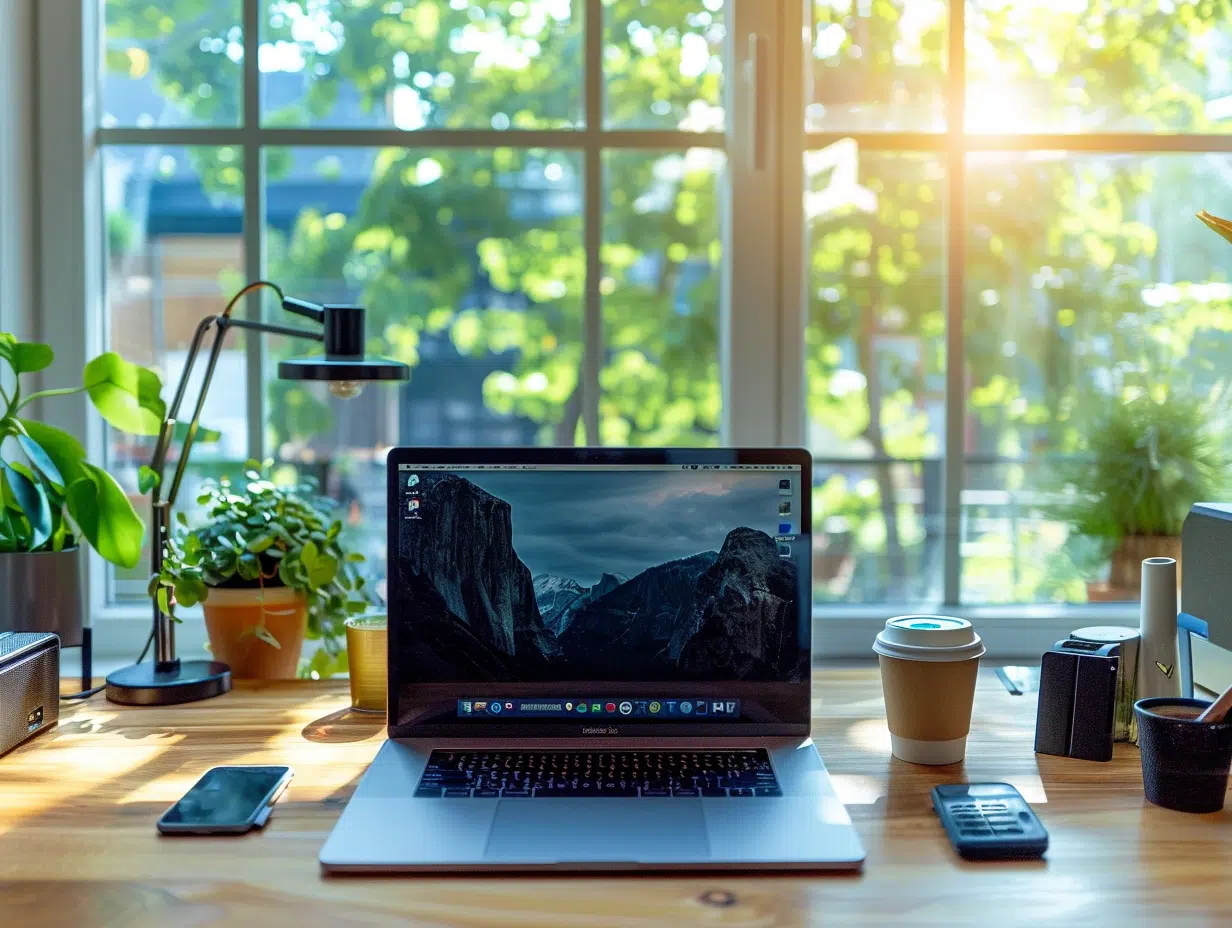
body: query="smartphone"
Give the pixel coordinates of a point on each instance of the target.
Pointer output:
(227, 800)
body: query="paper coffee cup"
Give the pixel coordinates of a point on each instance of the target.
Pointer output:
(928, 670)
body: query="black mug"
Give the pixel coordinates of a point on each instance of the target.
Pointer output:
(1184, 762)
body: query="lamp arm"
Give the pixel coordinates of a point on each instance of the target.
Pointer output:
(271, 328)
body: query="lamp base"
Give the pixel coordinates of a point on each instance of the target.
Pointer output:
(191, 681)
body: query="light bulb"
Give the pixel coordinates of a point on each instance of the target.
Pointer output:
(346, 389)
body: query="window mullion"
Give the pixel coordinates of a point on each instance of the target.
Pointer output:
(751, 318)
(955, 287)
(592, 307)
(254, 218)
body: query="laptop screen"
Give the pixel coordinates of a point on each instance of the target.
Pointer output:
(598, 598)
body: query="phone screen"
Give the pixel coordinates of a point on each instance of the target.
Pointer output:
(226, 796)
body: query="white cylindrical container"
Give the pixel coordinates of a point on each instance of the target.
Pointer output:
(1158, 674)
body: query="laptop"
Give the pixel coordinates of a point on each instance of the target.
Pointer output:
(598, 660)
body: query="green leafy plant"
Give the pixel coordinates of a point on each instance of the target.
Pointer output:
(1145, 463)
(51, 495)
(258, 533)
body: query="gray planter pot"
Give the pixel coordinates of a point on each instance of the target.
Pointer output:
(43, 593)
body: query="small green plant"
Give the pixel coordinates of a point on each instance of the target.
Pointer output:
(258, 533)
(50, 495)
(1145, 462)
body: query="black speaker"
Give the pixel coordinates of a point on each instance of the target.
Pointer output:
(29, 686)
(1077, 700)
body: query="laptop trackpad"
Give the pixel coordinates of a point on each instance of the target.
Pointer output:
(567, 830)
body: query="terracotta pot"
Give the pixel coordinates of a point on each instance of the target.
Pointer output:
(231, 616)
(1125, 578)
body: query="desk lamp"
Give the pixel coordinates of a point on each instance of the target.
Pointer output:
(168, 680)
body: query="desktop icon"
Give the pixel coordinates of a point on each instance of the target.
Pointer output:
(784, 550)
(495, 708)
(480, 706)
(594, 707)
(568, 707)
(716, 707)
(412, 481)
(581, 707)
(784, 528)
(626, 708)
(785, 507)
(639, 707)
(671, 706)
(731, 707)
(466, 707)
(509, 706)
(686, 707)
(785, 487)
(611, 707)
(700, 707)
(654, 708)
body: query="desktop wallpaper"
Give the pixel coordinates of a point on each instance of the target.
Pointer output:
(527, 576)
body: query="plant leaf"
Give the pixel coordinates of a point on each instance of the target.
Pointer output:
(65, 451)
(164, 606)
(106, 517)
(204, 436)
(322, 571)
(308, 554)
(1221, 226)
(260, 543)
(125, 394)
(265, 635)
(40, 459)
(32, 500)
(147, 479)
(28, 357)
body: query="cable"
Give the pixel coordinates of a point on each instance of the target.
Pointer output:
(84, 694)
(146, 650)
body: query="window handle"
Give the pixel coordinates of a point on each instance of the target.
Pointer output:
(756, 51)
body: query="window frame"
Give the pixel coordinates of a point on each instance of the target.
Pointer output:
(764, 271)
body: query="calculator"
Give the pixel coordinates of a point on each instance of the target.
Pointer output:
(989, 821)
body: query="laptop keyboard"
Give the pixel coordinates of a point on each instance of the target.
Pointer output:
(536, 774)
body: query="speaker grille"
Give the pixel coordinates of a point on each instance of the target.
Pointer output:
(29, 686)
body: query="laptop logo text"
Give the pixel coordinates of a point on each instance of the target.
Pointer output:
(599, 731)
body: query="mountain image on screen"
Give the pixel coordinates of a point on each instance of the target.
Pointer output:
(474, 611)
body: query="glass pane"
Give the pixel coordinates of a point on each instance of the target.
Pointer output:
(1097, 348)
(663, 64)
(876, 359)
(877, 530)
(175, 255)
(470, 264)
(509, 64)
(173, 63)
(661, 258)
(1043, 65)
(877, 66)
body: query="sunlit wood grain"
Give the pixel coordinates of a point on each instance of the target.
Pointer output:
(78, 845)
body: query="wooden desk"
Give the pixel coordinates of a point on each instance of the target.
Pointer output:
(78, 845)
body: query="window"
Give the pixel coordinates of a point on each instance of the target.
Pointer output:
(921, 246)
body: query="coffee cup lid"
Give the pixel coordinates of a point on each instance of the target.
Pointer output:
(929, 638)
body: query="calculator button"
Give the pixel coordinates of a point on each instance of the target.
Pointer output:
(1024, 816)
(977, 832)
(993, 806)
(1008, 830)
(1002, 820)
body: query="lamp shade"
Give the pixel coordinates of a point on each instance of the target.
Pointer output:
(362, 369)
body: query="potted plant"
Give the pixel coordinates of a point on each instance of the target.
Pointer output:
(267, 565)
(1145, 463)
(51, 498)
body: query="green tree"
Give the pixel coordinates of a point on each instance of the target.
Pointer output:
(1057, 254)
